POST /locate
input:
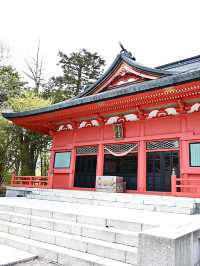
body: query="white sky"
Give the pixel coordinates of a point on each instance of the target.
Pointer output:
(155, 31)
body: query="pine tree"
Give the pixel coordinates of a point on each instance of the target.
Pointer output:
(79, 70)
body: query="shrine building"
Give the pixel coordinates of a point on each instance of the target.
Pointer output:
(137, 122)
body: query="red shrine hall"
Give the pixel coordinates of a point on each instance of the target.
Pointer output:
(137, 122)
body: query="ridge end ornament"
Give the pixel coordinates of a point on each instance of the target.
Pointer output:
(126, 52)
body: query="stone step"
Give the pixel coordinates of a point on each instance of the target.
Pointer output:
(122, 200)
(10, 256)
(96, 219)
(109, 234)
(84, 244)
(61, 255)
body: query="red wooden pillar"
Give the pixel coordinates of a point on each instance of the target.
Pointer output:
(72, 167)
(50, 171)
(141, 178)
(173, 183)
(73, 157)
(100, 155)
(100, 160)
(50, 181)
(184, 154)
(51, 162)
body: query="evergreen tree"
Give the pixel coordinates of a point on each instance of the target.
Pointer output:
(10, 84)
(28, 145)
(79, 70)
(6, 159)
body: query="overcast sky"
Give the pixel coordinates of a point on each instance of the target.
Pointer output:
(155, 31)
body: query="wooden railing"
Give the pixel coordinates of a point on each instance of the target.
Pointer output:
(188, 186)
(185, 186)
(31, 181)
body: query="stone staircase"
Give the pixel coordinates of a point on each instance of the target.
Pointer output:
(84, 228)
(158, 203)
(68, 236)
(11, 256)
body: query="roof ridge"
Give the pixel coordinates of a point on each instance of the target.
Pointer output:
(128, 59)
(181, 62)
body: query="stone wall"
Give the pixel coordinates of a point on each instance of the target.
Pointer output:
(170, 246)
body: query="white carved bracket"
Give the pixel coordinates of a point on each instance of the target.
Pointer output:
(92, 123)
(117, 119)
(165, 112)
(194, 108)
(65, 127)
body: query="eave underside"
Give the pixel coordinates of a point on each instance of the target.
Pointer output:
(128, 90)
(180, 97)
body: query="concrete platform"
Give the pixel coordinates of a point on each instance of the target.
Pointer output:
(11, 256)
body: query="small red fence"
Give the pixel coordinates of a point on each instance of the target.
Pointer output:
(31, 181)
(186, 186)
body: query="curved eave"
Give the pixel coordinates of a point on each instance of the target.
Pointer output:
(133, 63)
(124, 58)
(103, 77)
(122, 91)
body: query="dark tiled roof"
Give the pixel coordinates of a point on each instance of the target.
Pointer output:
(170, 80)
(124, 57)
(184, 64)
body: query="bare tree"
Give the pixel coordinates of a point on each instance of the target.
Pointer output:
(35, 74)
(35, 69)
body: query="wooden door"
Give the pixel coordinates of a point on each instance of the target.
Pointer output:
(159, 169)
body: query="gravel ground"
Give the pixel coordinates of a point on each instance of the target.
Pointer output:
(38, 262)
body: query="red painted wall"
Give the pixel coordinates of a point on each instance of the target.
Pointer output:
(162, 125)
(132, 130)
(185, 127)
(61, 180)
(87, 134)
(63, 139)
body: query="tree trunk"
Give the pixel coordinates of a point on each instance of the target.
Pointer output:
(26, 164)
(27, 158)
(1, 174)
